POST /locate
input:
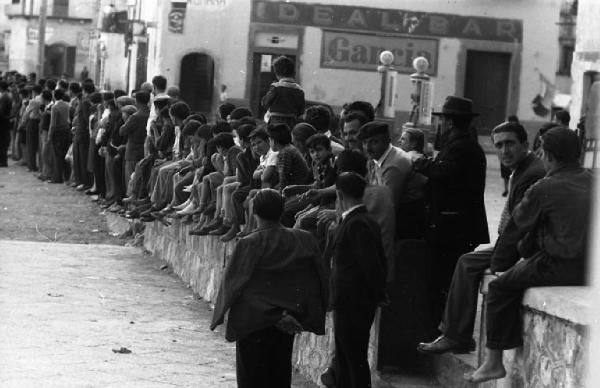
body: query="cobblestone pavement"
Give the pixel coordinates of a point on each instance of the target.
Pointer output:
(38, 211)
(64, 308)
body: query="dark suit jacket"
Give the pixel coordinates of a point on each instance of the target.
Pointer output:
(135, 131)
(359, 268)
(457, 184)
(272, 270)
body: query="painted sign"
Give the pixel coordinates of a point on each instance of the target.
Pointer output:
(33, 34)
(177, 17)
(83, 42)
(387, 20)
(343, 50)
(207, 4)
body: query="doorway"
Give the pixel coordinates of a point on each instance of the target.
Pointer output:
(262, 78)
(59, 59)
(196, 81)
(486, 83)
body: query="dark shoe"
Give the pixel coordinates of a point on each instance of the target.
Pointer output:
(221, 230)
(131, 199)
(215, 224)
(231, 233)
(328, 378)
(72, 184)
(142, 201)
(114, 208)
(147, 218)
(91, 192)
(148, 211)
(82, 187)
(42, 177)
(187, 220)
(201, 231)
(53, 181)
(443, 344)
(505, 193)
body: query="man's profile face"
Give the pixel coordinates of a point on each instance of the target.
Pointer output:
(375, 146)
(509, 148)
(350, 135)
(405, 143)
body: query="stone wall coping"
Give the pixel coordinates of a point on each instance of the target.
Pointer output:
(568, 303)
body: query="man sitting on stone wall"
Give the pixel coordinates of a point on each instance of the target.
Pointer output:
(510, 140)
(549, 228)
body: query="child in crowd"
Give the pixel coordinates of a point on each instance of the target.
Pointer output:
(300, 207)
(284, 101)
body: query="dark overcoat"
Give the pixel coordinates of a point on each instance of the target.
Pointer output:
(457, 183)
(272, 270)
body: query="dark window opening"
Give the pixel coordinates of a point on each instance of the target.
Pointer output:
(565, 59)
(60, 8)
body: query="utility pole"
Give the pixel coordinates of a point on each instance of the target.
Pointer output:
(42, 38)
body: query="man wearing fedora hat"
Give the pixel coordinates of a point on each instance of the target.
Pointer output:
(457, 221)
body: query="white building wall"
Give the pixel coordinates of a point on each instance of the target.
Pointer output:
(539, 52)
(219, 31)
(587, 54)
(222, 32)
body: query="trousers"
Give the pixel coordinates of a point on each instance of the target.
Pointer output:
(4, 142)
(352, 328)
(60, 146)
(458, 320)
(80, 159)
(33, 143)
(46, 156)
(264, 359)
(443, 261)
(505, 294)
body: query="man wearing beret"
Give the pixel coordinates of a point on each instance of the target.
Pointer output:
(457, 222)
(549, 229)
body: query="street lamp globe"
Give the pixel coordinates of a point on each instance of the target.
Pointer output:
(420, 64)
(386, 58)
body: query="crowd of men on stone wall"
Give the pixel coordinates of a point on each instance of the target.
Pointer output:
(318, 206)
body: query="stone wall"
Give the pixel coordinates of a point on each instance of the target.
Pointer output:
(554, 353)
(200, 262)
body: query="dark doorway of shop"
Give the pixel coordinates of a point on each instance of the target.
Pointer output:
(196, 81)
(486, 83)
(262, 77)
(59, 59)
(141, 64)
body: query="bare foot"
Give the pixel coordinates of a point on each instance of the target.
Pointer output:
(486, 372)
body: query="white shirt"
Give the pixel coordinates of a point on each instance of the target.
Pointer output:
(345, 214)
(380, 161)
(269, 159)
(176, 142)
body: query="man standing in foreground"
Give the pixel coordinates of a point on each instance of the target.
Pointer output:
(549, 228)
(510, 140)
(357, 283)
(274, 286)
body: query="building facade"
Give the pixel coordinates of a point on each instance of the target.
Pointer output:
(585, 70)
(70, 27)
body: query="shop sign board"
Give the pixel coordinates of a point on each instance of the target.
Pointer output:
(387, 20)
(345, 50)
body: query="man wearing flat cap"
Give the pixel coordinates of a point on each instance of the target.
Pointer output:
(549, 229)
(457, 222)
(388, 165)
